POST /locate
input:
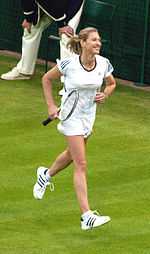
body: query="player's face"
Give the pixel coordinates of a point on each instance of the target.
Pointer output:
(93, 43)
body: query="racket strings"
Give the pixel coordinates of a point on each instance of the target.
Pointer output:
(69, 105)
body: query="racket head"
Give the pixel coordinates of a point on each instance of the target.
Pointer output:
(69, 105)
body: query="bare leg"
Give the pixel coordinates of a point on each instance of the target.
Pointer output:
(77, 151)
(43, 175)
(62, 161)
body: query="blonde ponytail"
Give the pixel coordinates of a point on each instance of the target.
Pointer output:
(74, 45)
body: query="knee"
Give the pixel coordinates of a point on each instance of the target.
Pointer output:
(81, 165)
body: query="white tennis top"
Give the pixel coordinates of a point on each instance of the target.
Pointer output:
(87, 83)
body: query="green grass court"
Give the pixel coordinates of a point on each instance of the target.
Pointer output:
(118, 176)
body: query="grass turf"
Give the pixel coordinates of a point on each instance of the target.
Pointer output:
(118, 175)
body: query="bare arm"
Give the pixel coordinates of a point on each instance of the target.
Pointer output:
(54, 73)
(110, 85)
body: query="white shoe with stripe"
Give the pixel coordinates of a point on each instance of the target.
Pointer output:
(93, 219)
(41, 183)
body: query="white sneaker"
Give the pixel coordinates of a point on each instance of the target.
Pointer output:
(14, 75)
(41, 184)
(92, 220)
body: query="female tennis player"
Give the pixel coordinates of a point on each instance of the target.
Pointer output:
(84, 72)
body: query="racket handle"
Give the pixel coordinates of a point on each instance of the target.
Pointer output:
(47, 121)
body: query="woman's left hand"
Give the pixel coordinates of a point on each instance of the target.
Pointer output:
(100, 97)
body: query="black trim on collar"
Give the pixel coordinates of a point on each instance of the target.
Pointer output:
(85, 68)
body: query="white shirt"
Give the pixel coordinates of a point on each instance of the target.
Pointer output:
(77, 77)
(87, 83)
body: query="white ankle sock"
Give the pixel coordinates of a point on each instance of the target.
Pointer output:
(47, 176)
(86, 214)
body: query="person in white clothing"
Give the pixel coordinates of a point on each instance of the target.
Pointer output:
(38, 15)
(85, 72)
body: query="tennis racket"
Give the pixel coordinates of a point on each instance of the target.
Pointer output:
(67, 107)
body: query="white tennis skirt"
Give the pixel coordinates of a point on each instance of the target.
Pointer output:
(77, 125)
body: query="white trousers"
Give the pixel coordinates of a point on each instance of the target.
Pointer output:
(31, 42)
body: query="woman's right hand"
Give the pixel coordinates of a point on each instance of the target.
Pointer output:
(53, 111)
